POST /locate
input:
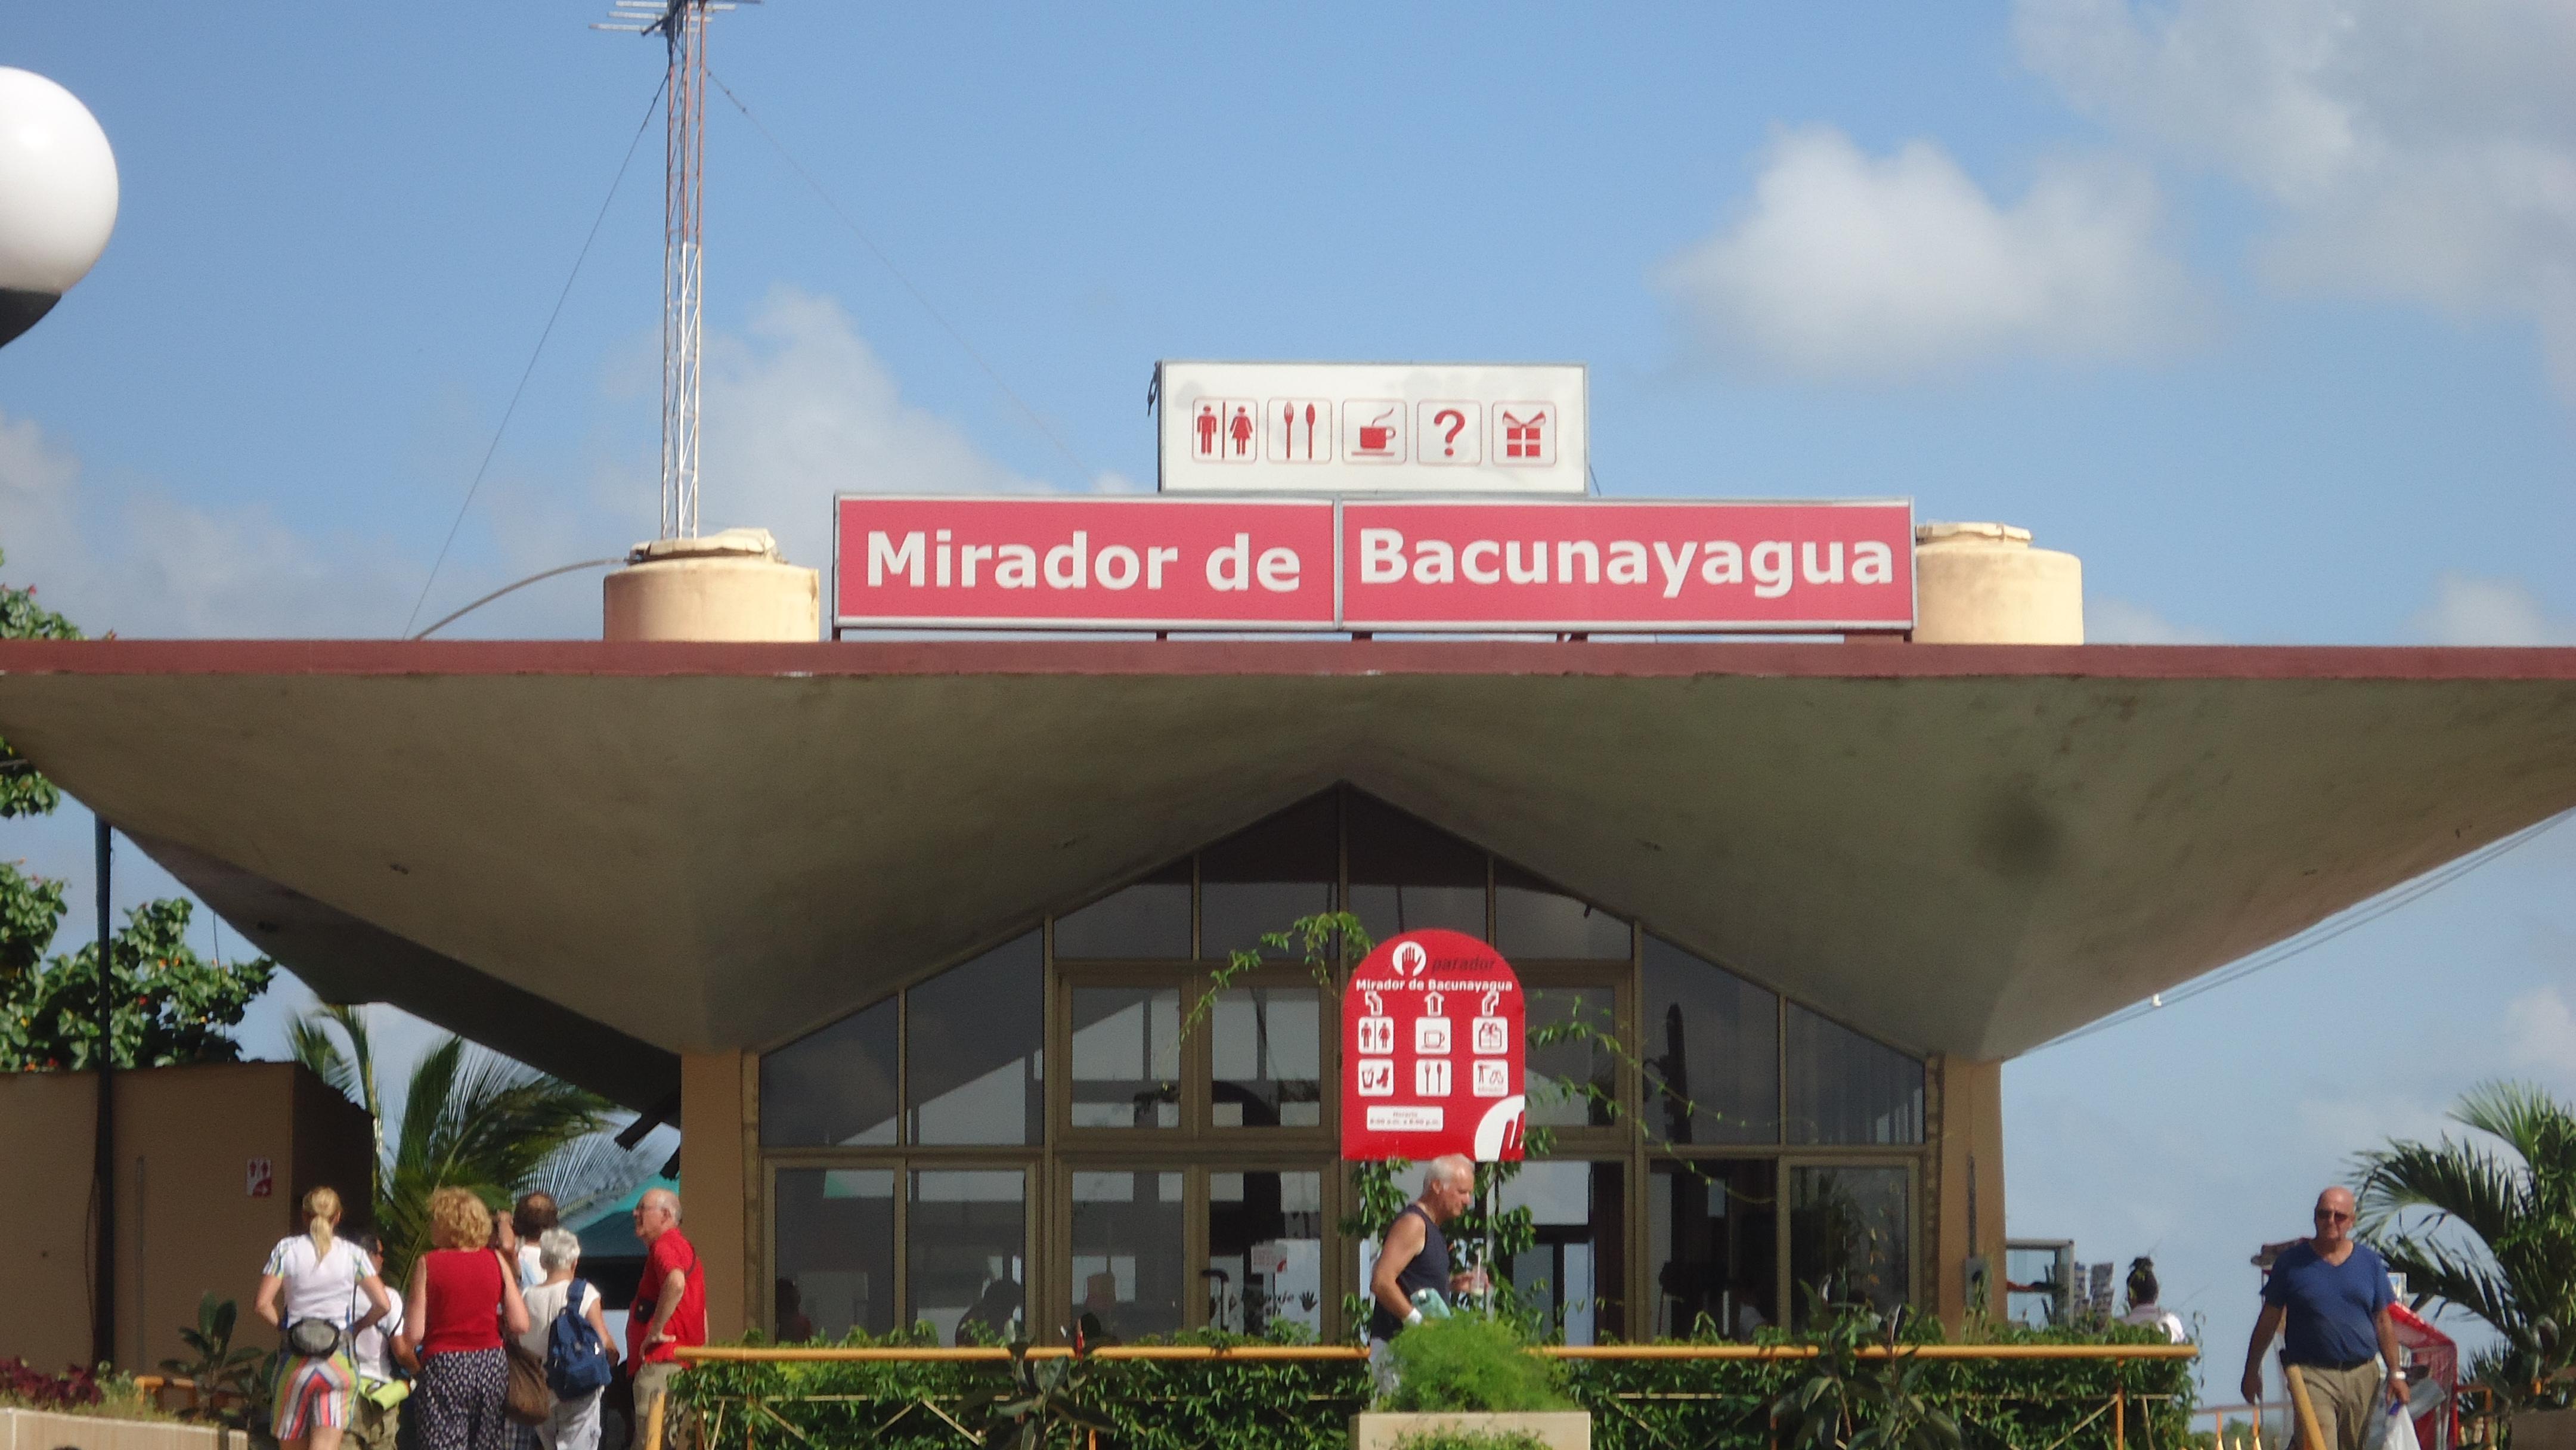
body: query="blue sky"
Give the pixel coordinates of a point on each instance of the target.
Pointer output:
(2266, 308)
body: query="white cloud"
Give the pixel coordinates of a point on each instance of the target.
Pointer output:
(1850, 266)
(2474, 611)
(2117, 621)
(2423, 153)
(2541, 1028)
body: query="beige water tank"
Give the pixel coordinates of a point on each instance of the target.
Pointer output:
(1985, 584)
(725, 586)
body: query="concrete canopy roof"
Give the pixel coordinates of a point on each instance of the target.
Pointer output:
(596, 856)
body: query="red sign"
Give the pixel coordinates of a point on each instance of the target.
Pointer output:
(1627, 565)
(1095, 563)
(1315, 564)
(260, 1179)
(1432, 1051)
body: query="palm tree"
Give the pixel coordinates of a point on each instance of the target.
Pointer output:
(2518, 1204)
(469, 1119)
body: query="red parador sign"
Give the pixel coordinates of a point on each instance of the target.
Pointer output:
(1433, 1052)
(1317, 564)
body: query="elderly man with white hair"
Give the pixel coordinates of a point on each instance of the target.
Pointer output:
(574, 1425)
(1414, 1259)
(670, 1301)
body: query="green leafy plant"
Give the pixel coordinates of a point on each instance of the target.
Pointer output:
(1044, 1398)
(2518, 1205)
(1846, 1403)
(1472, 1362)
(220, 1367)
(1470, 1440)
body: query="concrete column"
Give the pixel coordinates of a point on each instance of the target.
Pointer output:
(726, 586)
(1985, 584)
(715, 1196)
(1970, 1194)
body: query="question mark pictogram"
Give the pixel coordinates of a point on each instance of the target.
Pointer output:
(1457, 422)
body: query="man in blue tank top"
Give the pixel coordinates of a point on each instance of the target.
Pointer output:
(2333, 1295)
(1415, 1256)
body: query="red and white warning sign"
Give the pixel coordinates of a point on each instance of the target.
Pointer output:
(1433, 1056)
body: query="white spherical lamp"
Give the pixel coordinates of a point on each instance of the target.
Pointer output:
(57, 196)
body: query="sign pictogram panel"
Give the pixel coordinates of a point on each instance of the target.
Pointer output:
(1386, 428)
(1433, 1054)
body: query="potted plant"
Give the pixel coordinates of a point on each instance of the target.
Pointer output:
(1470, 1381)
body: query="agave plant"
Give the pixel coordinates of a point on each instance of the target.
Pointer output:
(2519, 1207)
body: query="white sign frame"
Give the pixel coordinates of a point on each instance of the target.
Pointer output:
(1372, 429)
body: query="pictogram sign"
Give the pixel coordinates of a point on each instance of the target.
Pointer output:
(1451, 432)
(1373, 430)
(1525, 435)
(1433, 1051)
(1300, 430)
(260, 1179)
(1221, 431)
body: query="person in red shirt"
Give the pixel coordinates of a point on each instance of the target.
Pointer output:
(462, 1299)
(670, 1302)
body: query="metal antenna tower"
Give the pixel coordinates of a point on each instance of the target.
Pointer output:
(682, 24)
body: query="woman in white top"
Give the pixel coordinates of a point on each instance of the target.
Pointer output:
(316, 1275)
(2143, 1308)
(574, 1425)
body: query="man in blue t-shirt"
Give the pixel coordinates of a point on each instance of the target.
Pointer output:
(2334, 1295)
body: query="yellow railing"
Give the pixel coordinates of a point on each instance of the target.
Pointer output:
(1250, 1353)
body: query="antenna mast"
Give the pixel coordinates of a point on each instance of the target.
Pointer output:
(682, 24)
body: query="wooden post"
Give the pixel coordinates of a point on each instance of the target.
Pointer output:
(2309, 1434)
(653, 1422)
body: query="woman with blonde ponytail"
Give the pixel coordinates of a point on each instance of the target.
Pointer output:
(311, 1290)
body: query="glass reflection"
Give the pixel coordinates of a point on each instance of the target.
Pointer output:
(1574, 1274)
(1126, 1057)
(1126, 1254)
(1265, 1235)
(977, 1065)
(1406, 875)
(968, 1235)
(1560, 1072)
(1261, 880)
(1712, 1042)
(1844, 1088)
(1148, 919)
(835, 1085)
(1711, 1229)
(1535, 921)
(1850, 1237)
(1265, 1046)
(835, 1253)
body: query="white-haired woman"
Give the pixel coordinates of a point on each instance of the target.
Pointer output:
(574, 1425)
(312, 1290)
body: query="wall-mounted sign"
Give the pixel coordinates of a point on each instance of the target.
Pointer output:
(1562, 566)
(1433, 1056)
(259, 1179)
(1335, 428)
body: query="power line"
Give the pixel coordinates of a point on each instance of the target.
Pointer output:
(1082, 470)
(2323, 932)
(447, 620)
(530, 370)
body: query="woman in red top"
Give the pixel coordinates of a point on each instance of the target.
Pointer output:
(463, 1297)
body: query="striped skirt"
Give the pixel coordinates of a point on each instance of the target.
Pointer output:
(309, 1393)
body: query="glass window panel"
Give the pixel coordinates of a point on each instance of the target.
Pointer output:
(1558, 1069)
(1535, 920)
(835, 1253)
(1844, 1088)
(1712, 1234)
(835, 1085)
(1148, 919)
(1265, 1046)
(1851, 1237)
(1267, 877)
(1406, 875)
(1126, 1057)
(966, 1240)
(1712, 1041)
(1574, 1275)
(1126, 1247)
(1265, 1236)
(979, 1049)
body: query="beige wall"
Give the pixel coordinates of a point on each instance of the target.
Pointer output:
(185, 1224)
(1969, 1164)
(717, 1193)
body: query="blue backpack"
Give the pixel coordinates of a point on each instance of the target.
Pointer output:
(576, 1360)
